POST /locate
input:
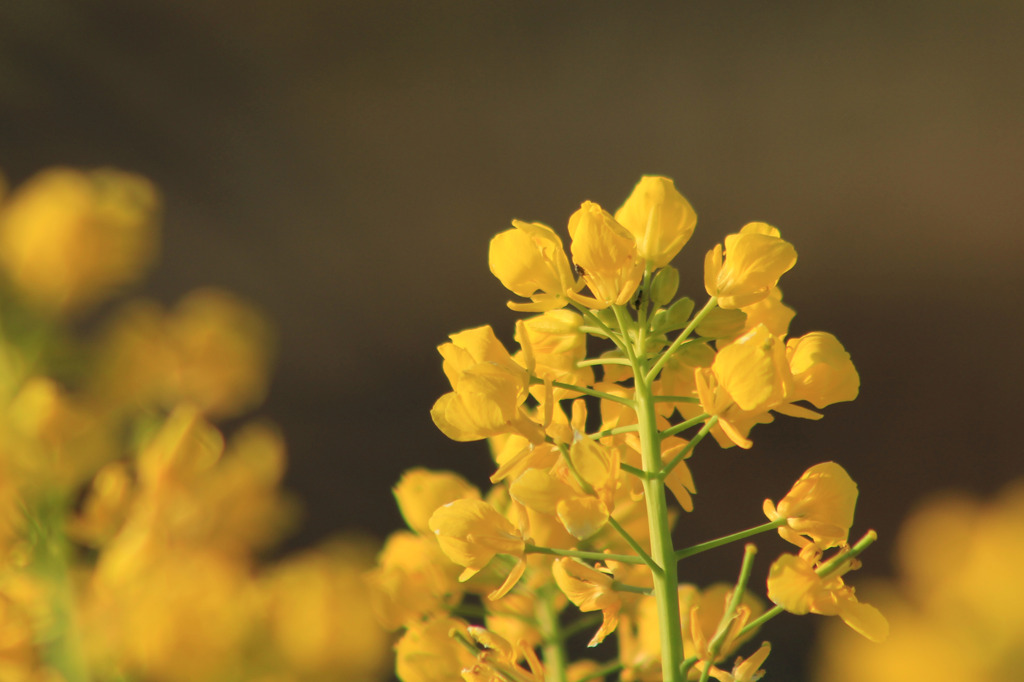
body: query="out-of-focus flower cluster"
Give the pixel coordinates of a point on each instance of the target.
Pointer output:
(585, 447)
(131, 526)
(957, 607)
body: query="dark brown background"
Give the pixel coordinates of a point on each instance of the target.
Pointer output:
(345, 164)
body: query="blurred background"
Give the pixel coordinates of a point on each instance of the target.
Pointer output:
(345, 163)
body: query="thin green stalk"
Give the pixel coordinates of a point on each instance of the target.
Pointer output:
(725, 624)
(688, 424)
(639, 473)
(602, 361)
(631, 428)
(623, 587)
(631, 541)
(666, 582)
(582, 554)
(556, 658)
(759, 621)
(725, 540)
(688, 448)
(585, 391)
(837, 561)
(675, 399)
(652, 374)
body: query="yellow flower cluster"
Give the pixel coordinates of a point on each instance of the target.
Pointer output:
(585, 447)
(957, 608)
(130, 525)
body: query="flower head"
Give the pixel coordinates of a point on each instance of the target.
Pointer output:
(750, 266)
(660, 219)
(819, 506)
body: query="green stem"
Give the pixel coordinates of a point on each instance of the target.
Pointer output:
(556, 660)
(586, 391)
(639, 473)
(652, 374)
(688, 448)
(758, 622)
(631, 541)
(62, 649)
(622, 587)
(735, 537)
(602, 361)
(581, 554)
(631, 428)
(725, 624)
(675, 399)
(834, 563)
(666, 581)
(688, 424)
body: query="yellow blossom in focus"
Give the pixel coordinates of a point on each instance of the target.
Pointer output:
(606, 254)
(794, 585)
(752, 262)
(819, 506)
(555, 344)
(753, 370)
(489, 389)
(472, 532)
(69, 239)
(590, 590)
(530, 261)
(660, 219)
(822, 370)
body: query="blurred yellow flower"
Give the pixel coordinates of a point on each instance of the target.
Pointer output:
(69, 239)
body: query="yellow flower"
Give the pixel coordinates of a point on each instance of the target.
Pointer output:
(822, 370)
(421, 491)
(701, 612)
(530, 261)
(489, 389)
(320, 614)
(590, 590)
(753, 370)
(820, 506)
(223, 348)
(472, 532)
(660, 219)
(428, 652)
(606, 254)
(69, 239)
(413, 579)
(555, 344)
(794, 585)
(752, 263)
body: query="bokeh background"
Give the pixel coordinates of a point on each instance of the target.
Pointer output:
(344, 163)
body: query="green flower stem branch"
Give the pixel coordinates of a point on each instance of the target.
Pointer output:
(582, 554)
(666, 581)
(586, 391)
(688, 448)
(715, 647)
(652, 373)
(727, 539)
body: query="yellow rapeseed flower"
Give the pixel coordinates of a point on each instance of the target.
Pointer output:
(590, 590)
(421, 491)
(606, 254)
(794, 585)
(660, 219)
(819, 506)
(752, 262)
(472, 532)
(69, 239)
(530, 261)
